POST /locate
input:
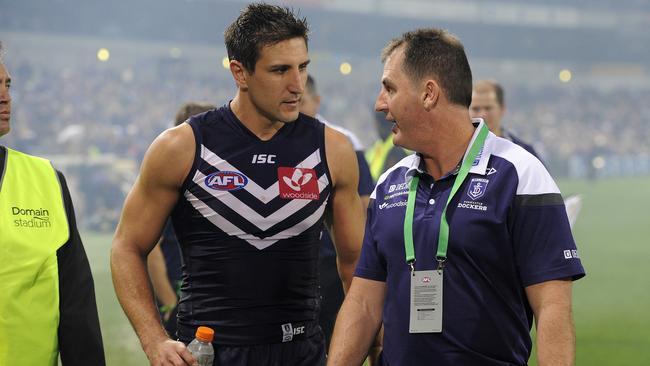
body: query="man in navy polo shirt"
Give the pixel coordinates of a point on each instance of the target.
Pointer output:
(467, 240)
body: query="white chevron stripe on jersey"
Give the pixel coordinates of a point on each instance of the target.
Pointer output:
(264, 195)
(230, 229)
(264, 223)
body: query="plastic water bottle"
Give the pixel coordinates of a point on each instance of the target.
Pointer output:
(201, 347)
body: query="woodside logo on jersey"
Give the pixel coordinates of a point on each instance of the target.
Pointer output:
(298, 183)
(226, 181)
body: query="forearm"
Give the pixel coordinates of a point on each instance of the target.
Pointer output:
(551, 304)
(376, 348)
(556, 343)
(346, 270)
(134, 292)
(356, 327)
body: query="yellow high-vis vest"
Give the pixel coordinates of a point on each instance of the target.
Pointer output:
(33, 226)
(377, 155)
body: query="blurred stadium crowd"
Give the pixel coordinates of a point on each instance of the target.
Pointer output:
(95, 120)
(91, 113)
(86, 110)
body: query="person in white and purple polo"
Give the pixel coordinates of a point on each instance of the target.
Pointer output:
(467, 241)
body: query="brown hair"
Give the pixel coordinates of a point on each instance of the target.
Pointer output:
(189, 109)
(486, 86)
(434, 52)
(261, 25)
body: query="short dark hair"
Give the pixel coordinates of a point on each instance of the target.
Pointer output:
(260, 25)
(434, 52)
(483, 86)
(189, 109)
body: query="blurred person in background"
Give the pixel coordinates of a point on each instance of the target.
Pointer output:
(488, 103)
(248, 186)
(452, 259)
(164, 263)
(383, 154)
(331, 290)
(47, 295)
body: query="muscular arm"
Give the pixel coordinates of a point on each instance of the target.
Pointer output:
(551, 304)
(357, 323)
(347, 214)
(146, 208)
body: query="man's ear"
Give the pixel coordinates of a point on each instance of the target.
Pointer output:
(431, 94)
(240, 74)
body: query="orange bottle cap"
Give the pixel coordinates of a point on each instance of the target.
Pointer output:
(205, 334)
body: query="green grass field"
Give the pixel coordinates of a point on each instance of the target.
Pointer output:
(611, 304)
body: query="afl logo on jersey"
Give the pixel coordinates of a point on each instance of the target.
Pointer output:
(226, 181)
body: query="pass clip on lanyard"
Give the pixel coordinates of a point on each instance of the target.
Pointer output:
(443, 237)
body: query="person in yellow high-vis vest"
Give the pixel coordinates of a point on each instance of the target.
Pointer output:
(47, 296)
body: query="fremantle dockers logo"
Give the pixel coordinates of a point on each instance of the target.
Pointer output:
(477, 187)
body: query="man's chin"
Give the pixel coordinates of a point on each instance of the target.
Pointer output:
(398, 140)
(289, 117)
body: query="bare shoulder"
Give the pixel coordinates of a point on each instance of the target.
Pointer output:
(171, 153)
(341, 158)
(336, 143)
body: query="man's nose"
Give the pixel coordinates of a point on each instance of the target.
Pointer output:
(380, 102)
(296, 82)
(5, 97)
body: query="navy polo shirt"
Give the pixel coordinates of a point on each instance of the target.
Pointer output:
(508, 230)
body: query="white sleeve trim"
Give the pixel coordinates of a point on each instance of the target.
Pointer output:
(533, 176)
(406, 162)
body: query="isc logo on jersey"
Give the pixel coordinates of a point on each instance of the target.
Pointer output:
(226, 181)
(298, 183)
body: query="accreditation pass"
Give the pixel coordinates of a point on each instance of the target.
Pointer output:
(426, 302)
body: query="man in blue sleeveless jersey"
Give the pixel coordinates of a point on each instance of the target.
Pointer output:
(467, 240)
(47, 295)
(248, 186)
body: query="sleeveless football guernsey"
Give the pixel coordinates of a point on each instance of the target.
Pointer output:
(248, 221)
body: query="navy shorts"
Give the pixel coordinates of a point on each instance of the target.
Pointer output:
(307, 352)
